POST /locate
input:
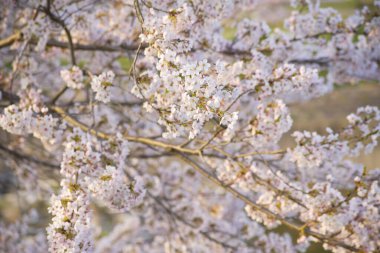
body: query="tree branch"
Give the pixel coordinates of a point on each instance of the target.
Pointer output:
(6, 42)
(303, 228)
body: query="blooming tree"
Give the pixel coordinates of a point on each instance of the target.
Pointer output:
(144, 110)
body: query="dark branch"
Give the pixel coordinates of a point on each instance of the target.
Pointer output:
(28, 158)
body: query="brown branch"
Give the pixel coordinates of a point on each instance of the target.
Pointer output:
(60, 22)
(6, 42)
(8, 96)
(93, 47)
(74, 123)
(272, 152)
(171, 154)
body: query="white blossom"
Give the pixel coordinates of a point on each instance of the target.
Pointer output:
(73, 77)
(101, 86)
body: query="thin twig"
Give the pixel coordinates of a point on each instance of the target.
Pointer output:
(28, 158)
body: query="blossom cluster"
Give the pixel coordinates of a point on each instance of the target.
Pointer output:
(317, 198)
(73, 77)
(113, 191)
(101, 86)
(22, 121)
(87, 173)
(187, 92)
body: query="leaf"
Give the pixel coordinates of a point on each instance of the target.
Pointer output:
(229, 33)
(81, 64)
(63, 62)
(125, 63)
(323, 73)
(325, 36)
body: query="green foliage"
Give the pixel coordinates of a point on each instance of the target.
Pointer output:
(229, 33)
(125, 63)
(63, 62)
